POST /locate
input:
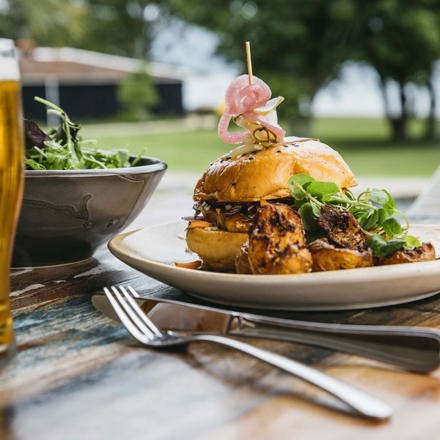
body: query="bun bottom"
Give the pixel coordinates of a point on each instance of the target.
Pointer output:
(217, 248)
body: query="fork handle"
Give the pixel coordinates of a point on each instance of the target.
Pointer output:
(363, 403)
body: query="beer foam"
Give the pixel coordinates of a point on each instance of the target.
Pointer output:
(9, 69)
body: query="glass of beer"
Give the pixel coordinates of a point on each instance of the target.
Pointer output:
(11, 181)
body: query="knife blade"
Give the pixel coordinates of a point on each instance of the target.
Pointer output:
(414, 349)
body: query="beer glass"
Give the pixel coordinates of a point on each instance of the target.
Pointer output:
(11, 181)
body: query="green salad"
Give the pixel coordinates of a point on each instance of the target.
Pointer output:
(62, 148)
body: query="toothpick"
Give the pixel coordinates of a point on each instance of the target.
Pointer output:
(249, 61)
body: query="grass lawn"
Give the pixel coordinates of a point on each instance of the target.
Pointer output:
(362, 142)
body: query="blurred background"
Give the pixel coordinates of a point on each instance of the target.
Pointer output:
(150, 76)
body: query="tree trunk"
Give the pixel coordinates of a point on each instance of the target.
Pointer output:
(399, 123)
(430, 120)
(383, 91)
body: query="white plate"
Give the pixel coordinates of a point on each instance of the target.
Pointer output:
(154, 250)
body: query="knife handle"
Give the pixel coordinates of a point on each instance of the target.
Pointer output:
(413, 349)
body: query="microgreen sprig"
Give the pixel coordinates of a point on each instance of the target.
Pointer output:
(374, 209)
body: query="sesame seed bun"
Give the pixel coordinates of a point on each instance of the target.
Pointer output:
(263, 174)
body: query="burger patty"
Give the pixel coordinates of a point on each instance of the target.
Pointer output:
(232, 216)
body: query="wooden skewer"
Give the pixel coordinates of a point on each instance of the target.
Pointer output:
(249, 61)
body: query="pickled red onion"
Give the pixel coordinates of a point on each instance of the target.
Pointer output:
(242, 99)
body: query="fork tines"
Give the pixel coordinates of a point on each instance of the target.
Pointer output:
(129, 312)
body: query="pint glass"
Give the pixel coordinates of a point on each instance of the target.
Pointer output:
(11, 181)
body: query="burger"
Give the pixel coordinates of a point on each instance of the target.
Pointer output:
(247, 221)
(230, 192)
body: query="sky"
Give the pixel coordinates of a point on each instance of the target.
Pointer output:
(355, 94)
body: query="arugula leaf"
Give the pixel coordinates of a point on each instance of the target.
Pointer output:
(62, 148)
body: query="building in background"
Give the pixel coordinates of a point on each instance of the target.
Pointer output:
(85, 83)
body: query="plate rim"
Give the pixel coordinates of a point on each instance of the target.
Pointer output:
(382, 273)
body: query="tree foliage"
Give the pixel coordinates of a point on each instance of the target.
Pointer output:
(401, 40)
(299, 46)
(118, 27)
(111, 26)
(45, 21)
(137, 95)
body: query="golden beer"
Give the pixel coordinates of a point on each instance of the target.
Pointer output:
(11, 180)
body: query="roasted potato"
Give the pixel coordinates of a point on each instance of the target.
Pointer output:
(242, 260)
(425, 252)
(277, 242)
(327, 256)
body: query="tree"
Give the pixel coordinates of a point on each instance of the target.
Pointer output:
(137, 95)
(111, 26)
(117, 27)
(401, 40)
(43, 21)
(297, 46)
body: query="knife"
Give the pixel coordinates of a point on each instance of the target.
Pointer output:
(409, 348)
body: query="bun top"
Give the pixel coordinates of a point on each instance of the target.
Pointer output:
(263, 174)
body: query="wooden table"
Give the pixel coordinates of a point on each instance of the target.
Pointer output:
(79, 375)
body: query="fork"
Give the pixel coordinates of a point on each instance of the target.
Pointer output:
(147, 333)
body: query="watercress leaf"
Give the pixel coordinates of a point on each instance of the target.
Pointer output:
(309, 214)
(301, 179)
(357, 211)
(319, 189)
(316, 209)
(382, 247)
(298, 184)
(382, 216)
(412, 242)
(379, 196)
(376, 242)
(360, 214)
(298, 203)
(393, 246)
(390, 204)
(337, 199)
(392, 227)
(365, 218)
(371, 220)
(297, 191)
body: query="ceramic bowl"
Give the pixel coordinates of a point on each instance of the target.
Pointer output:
(66, 215)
